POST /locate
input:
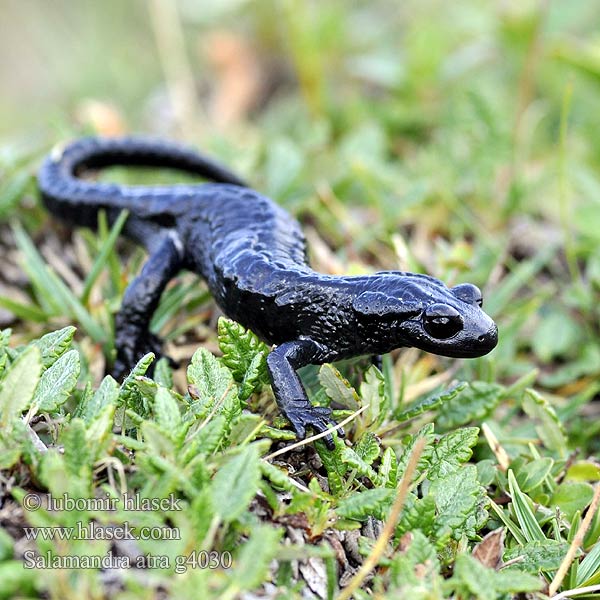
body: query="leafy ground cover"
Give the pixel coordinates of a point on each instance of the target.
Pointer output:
(455, 139)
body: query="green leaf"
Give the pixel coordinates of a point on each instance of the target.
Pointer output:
(538, 555)
(556, 333)
(214, 384)
(472, 403)
(337, 387)
(334, 464)
(373, 392)
(240, 348)
(166, 411)
(409, 443)
(486, 584)
(361, 505)
(418, 514)
(549, 427)
(354, 461)
(57, 383)
(236, 483)
(254, 378)
(17, 581)
(388, 469)
(572, 496)
(12, 190)
(588, 571)
(129, 394)
(78, 457)
(522, 507)
(418, 565)
(533, 474)
(457, 497)
(367, 448)
(99, 430)
(91, 406)
(253, 559)
(452, 450)
(18, 385)
(427, 403)
(102, 256)
(53, 345)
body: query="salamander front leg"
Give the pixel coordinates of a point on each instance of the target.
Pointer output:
(133, 339)
(289, 391)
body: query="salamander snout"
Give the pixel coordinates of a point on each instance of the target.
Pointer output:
(489, 339)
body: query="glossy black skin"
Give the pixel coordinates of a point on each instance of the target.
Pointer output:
(253, 256)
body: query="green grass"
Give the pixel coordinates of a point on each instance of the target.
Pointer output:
(457, 139)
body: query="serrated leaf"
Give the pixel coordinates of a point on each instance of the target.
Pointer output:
(452, 450)
(425, 432)
(367, 448)
(99, 430)
(240, 347)
(354, 461)
(277, 476)
(77, 453)
(129, 388)
(549, 427)
(214, 383)
(254, 378)
(166, 411)
(427, 403)
(18, 385)
(418, 514)
(236, 483)
(388, 469)
(487, 584)
(472, 403)
(337, 387)
(457, 496)
(53, 345)
(207, 439)
(106, 394)
(538, 555)
(57, 383)
(373, 392)
(334, 464)
(361, 505)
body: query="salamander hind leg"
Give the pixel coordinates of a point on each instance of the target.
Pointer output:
(133, 338)
(289, 391)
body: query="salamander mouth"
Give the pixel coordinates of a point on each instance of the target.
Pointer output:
(465, 345)
(470, 342)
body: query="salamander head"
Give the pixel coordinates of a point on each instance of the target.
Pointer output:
(407, 309)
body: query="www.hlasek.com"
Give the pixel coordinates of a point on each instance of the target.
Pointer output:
(96, 531)
(201, 559)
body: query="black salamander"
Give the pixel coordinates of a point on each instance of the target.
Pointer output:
(252, 255)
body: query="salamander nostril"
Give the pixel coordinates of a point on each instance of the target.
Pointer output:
(489, 339)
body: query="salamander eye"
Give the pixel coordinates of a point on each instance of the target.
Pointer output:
(441, 321)
(469, 293)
